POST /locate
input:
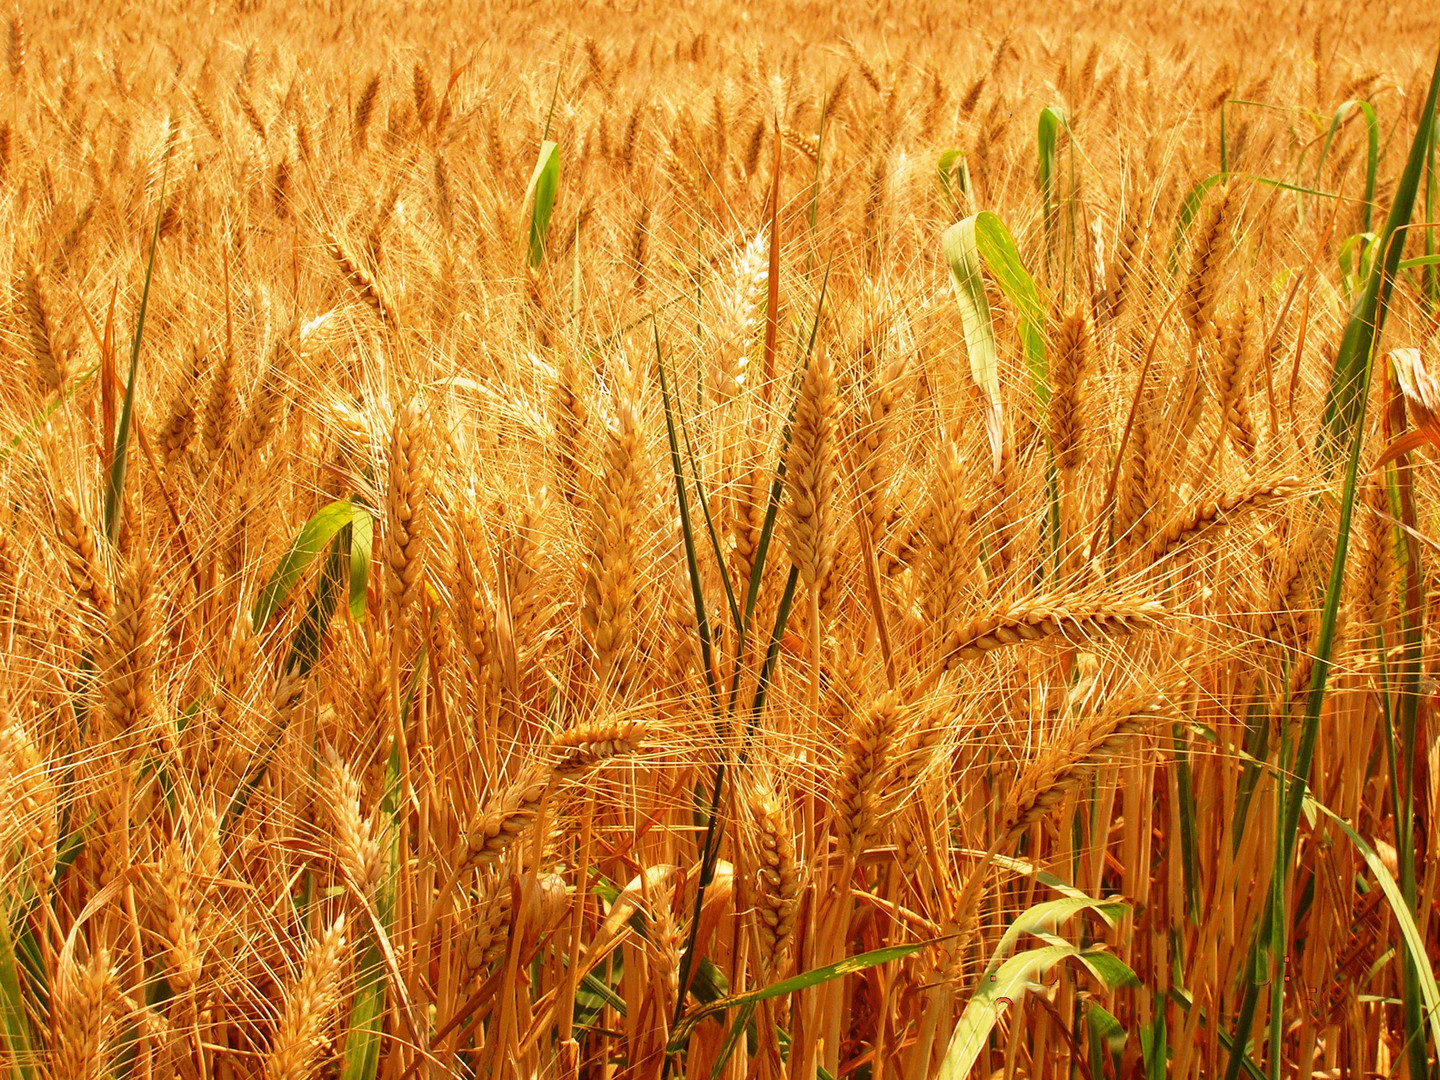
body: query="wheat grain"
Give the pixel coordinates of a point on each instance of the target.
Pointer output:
(407, 519)
(38, 312)
(1207, 262)
(867, 761)
(415, 732)
(588, 745)
(502, 820)
(1071, 360)
(82, 1022)
(1235, 359)
(361, 279)
(810, 475)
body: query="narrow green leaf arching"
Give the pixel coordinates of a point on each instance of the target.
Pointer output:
(1343, 400)
(848, 966)
(1052, 122)
(540, 197)
(16, 1033)
(362, 539)
(312, 539)
(115, 489)
(1372, 153)
(1006, 978)
(963, 256)
(310, 634)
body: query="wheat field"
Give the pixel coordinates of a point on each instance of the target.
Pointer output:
(718, 541)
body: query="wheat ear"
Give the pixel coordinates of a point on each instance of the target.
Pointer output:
(1073, 615)
(1059, 771)
(1197, 520)
(310, 1004)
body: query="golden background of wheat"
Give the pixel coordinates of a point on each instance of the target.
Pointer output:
(470, 605)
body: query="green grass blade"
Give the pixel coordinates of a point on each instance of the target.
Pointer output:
(360, 1059)
(16, 1023)
(312, 539)
(1190, 206)
(1008, 983)
(1000, 256)
(540, 196)
(1052, 122)
(1355, 257)
(365, 1028)
(963, 256)
(310, 634)
(1344, 417)
(1344, 405)
(952, 173)
(772, 653)
(1372, 151)
(1430, 280)
(1106, 1037)
(1108, 969)
(1007, 977)
(714, 536)
(1189, 847)
(362, 540)
(983, 239)
(1409, 932)
(115, 489)
(687, 529)
(1154, 1048)
(816, 977)
(1045, 919)
(1180, 997)
(1281, 185)
(1310, 726)
(714, 824)
(743, 1016)
(45, 414)
(767, 671)
(1372, 164)
(591, 982)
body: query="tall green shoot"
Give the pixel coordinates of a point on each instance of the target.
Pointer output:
(115, 489)
(1343, 429)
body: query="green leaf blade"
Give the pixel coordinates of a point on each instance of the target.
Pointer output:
(1343, 403)
(312, 539)
(362, 539)
(1001, 257)
(540, 195)
(803, 981)
(16, 1023)
(963, 256)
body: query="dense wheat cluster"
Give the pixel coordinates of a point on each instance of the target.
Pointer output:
(716, 541)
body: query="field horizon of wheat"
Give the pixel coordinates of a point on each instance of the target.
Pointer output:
(718, 541)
